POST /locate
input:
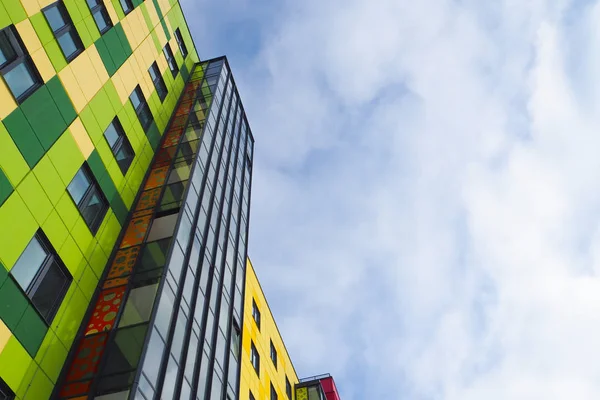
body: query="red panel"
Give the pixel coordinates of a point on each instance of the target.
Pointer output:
(136, 231)
(329, 388)
(106, 310)
(88, 356)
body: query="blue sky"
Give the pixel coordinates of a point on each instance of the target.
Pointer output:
(435, 163)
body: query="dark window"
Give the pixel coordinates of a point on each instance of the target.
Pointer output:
(255, 358)
(159, 82)
(16, 67)
(141, 108)
(98, 10)
(127, 6)
(64, 30)
(273, 354)
(119, 144)
(255, 313)
(235, 340)
(181, 43)
(170, 60)
(288, 388)
(251, 397)
(88, 197)
(7, 394)
(42, 276)
(273, 393)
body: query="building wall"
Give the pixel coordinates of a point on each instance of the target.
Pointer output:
(250, 381)
(46, 139)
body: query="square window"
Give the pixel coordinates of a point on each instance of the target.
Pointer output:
(42, 276)
(273, 354)
(141, 108)
(273, 393)
(98, 10)
(88, 197)
(255, 313)
(119, 145)
(16, 67)
(159, 82)
(181, 43)
(64, 30)
(255, 358)
(127, 6)
(170, 60)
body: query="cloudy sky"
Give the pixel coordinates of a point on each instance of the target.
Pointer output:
(426, 196)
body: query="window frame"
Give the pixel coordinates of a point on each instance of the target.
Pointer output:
(129, 5)
(101, 8)
(158, 81)
(273, 353)
(51, 258)
(121, 143)
(181, 43)
(255, 313)
(168, 53)
(93, 188)
(142, 107)
(273, 395)
(68, 27)
(288, 388)
(254, 356)
(21, 57)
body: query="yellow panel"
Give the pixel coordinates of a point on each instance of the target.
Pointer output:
(128, 77)
(164, 7)
(7, 101)
(162, 63)
(126, 24)
(153, 16)
(81, 138)
(45, 3)
(86, 75)
(123, 94)
(28, 35)
(31, 7)
(111, 12)
(4, 334)
(162, 39)
(43, 64)
(72, 87)
(98, 64)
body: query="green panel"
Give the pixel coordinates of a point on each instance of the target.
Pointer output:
(105, 56)
(41, 28)
(3, 274)
(73, 10)
(92, 29)
(184, 72)
(13, 241)
(48, 177)
(108, 186)
(44, 117)
(15, 10)
(26, 380)
(113, 96)
(67, 211)
(82, 235)
(71, 255)
(97, 166)
(156, 42)
(119, 209)
(91, 125)
(153, 136)
(127, 51)
(53, 356)
(5, 187)
(66, 157)
(14, 362)
(61, 99)
(118, 9)
(40, 387)
(147, 17)
(88, 282)
(110, 233)
(55, 229)
(31, 330)
(13, 304)
(162, 22)
(98, 259)
(12, 161)
(4, 17)
(22, 134)
(102, 109)
(73, 309)
(55, 55)
(35, 198)
(85, 36)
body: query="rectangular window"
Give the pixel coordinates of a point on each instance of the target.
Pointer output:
(273, 354)
(16, 67)
(42, 276)
(88, 197)
(288, 388)
(181, 43)
(119, 145)
(273, 393)
(255, 313)
(235, 340)
(98, 10)
(255, 358)
(141, 108)
(64, 31)
(159, 82)
(127, 6)
(170, 60)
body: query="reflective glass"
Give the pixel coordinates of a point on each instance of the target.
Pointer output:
(54, 18)
(170, 378)
(153, 356)
(102, 20)
(20, 79)
(68, 44)
(139, 306)
(78, 186)
(50, 290)
(29, 263)
(7, 53)
(112, 134)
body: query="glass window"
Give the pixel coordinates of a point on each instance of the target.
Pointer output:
(288, 388)
(42, 276)
(251, 397)
(141, 108)
(64, 30)
(88, 197)
(119, 145)
(16, 67)
(170, 60)
(159, 82)
(255, 358)
(273, 393)
(235, 340)
(255, 313)
(100, 14)
(140, 304)
(273, 354)
(127, 6)
(181, 43)
(5, 392)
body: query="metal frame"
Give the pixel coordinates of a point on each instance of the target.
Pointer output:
(67, 28)
(101, 8)
(142, 107)
(122, 141)
(173, 67)
(93, 188)
(159, 82)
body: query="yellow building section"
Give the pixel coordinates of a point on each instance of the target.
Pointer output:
(259, 384)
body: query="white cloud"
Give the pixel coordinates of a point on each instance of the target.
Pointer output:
(425, 211)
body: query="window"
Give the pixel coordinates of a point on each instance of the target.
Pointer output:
(251, 396)
(42, 276)
(16, 67)
(273, 393)
(119, 144)
(7, 394)
(170, 60)
(100, 14)
(127, 6)
(159, 82)
(255, 358)
(235, 340)
(255, 313)
(288, 388)
(273, 354)
(141, 108)
(181, 43)
(88, 197)
(64, 30)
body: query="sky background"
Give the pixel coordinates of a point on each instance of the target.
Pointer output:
(426, 189)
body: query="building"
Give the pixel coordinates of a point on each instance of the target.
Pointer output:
(125, 176)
